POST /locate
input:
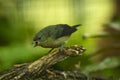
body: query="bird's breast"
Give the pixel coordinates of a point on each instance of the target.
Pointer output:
(52, 43)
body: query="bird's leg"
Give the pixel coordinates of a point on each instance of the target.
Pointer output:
(61, 48)
(51, 50)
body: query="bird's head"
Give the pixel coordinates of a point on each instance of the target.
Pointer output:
(39, 39)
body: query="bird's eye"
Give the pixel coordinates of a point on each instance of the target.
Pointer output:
(36, 42)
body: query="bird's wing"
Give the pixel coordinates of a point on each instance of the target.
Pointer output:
(62, 30)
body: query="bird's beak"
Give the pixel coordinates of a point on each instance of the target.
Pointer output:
(35, 45)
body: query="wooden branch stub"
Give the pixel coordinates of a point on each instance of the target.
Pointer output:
(34, 69)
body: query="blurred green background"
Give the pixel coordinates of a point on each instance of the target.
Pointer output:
(20, 20)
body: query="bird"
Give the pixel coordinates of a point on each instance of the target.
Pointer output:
(54, 36)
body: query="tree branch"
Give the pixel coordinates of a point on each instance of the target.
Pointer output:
(35, 69)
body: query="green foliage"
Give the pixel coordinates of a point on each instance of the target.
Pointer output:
(18, 54)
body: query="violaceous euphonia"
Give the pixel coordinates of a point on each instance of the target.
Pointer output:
(54, 36)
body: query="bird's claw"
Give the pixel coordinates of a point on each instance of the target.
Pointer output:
(61, 50)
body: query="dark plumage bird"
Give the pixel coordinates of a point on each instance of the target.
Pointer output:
(54, 36)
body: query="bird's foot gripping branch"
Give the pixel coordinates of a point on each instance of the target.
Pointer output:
(35, 70)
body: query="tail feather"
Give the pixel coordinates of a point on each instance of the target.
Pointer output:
(75, 26)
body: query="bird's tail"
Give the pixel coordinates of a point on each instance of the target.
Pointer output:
(75, 26)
